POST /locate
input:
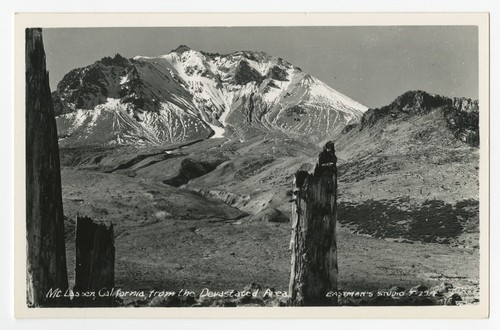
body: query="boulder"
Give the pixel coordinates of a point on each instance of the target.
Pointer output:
(441, 288)
(270, 214)
(418, 288)
(451, 299)
(171, 301)
(252, 287)
(396, 288)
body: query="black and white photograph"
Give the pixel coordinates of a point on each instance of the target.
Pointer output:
(279, 166)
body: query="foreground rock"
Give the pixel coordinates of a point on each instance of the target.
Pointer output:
(270, 214)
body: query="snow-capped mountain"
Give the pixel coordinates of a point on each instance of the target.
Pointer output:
(187, 95)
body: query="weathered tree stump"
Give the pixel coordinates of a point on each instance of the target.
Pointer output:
(95, 263)
(313, 244)
(46, 256)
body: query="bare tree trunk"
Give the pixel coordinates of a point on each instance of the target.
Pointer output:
(46, 255)
(313, 244)
(95, 261)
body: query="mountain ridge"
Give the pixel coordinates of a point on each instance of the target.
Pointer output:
(190, 95)
(461, 114)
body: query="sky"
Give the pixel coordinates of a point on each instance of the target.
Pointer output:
(372, 65)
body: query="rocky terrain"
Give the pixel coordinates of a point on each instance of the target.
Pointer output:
(191, 155)
(415, 166)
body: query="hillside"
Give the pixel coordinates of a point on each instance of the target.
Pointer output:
(414, 165)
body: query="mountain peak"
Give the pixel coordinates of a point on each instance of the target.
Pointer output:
(417, 101)
(256, 56)
(116, 60)
(461, 115)
(181, 49)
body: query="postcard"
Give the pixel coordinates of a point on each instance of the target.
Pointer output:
(298, 165)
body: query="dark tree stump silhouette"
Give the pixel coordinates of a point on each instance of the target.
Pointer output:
(95, 262)
(313, 244)
(46, 255)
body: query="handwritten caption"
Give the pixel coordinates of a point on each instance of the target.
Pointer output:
(120, 293)
(208, 293)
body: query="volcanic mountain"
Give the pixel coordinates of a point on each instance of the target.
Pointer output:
(188, 95)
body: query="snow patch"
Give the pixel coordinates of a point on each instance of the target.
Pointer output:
(321, 92)
(124, 80)
(219, 131)
(95, 115)
(261, 67)
(140, 57)
(111, 102)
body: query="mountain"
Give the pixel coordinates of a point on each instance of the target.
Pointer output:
(460, 114)
(188, 95)
(415, 118)
(421, 144)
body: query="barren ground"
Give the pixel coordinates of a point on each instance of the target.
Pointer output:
(165, 244)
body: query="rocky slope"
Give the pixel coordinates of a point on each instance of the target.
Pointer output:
(410, 170)
(187, 95)
(461, 115)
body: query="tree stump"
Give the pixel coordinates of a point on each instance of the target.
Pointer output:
(95, 263)
(313, 244)
(46, 255)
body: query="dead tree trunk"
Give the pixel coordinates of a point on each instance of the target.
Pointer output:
(95, 262)
(46, 255)
(313, 244)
